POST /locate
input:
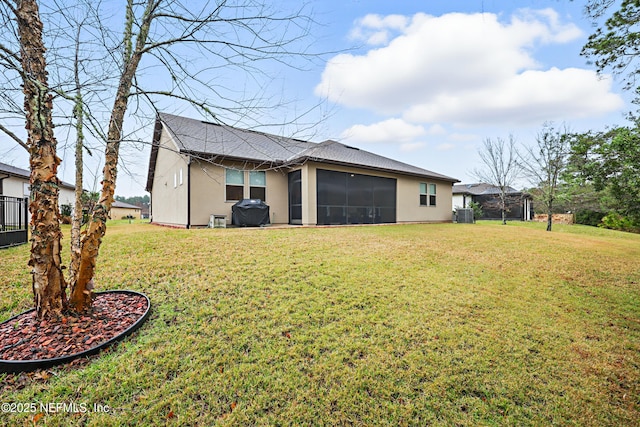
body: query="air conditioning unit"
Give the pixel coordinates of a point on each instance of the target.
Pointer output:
(464, 216)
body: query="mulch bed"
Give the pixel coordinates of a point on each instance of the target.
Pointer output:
(27, 338)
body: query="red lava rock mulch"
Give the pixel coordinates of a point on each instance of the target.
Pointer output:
(27, 338)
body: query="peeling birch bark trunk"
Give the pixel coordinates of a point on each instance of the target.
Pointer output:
(82, 285)
(48, 281)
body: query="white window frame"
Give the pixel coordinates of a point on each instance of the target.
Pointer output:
(428, 186)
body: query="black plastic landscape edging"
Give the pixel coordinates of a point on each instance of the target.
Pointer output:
(15, 366)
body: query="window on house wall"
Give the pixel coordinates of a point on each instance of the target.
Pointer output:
(432, 194)
(234, 184)
(424, 199)
(175, 180)
(180, 176)
(258, 185)
(427, 194)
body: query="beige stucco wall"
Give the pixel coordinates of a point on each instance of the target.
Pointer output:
(408, 207)
(208, 192)
(119, 213)
(169, 191)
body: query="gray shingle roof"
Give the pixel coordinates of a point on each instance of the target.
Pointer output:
(332, 151)
(6, 169)
(196, 136)
(480, 189)
(14, 171)
(119, 204)
(199, 137)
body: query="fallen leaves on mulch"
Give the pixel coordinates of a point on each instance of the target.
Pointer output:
(27, 338)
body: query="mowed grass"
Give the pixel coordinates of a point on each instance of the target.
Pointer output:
(450, 324)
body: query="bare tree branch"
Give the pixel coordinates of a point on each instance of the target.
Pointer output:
(501, 167)
(14, 137)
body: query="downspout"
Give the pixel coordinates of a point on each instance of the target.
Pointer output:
(189, 193)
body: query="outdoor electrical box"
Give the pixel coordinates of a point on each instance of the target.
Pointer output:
(217, 221)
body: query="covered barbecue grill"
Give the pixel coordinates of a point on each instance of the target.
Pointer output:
(250, 213)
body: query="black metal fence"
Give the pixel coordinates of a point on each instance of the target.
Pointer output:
(14, 221)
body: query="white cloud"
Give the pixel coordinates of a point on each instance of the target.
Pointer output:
(391, 131)
(376, 29)
(436, 129)
(528, 98)
(465, 69)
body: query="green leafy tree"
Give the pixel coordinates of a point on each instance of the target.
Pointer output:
(610, 161)
(616, 45)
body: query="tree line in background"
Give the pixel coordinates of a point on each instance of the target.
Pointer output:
(595, 174)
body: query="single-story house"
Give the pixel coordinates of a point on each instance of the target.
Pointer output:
(14, 204)
(122, 210)
(14, 182)
(519, 204)
(198, 169)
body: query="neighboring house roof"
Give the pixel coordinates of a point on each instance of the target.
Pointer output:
(9, 170)
(209, 139)
(481, 189)
(123, 205)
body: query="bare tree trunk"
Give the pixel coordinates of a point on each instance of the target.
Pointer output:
(82, 285)
(549, 215)
(48, 281)
(503, 200)
(76, 224)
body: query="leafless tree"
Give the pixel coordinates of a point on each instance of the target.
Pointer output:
(194, 44)
(543, 164)
(501, 168)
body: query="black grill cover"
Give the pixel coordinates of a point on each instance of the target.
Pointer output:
(250, 212)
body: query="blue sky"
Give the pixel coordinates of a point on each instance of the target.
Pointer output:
(425, 82)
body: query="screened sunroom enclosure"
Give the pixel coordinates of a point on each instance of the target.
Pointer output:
(350, 198)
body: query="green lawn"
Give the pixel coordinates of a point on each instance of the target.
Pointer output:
(452, 324)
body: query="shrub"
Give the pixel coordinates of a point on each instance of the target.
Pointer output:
(65, 210)
(589, 217)
(477, 210)
(615, 221)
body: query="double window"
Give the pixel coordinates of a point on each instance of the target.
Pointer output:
(235, 183)
(427, 194)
